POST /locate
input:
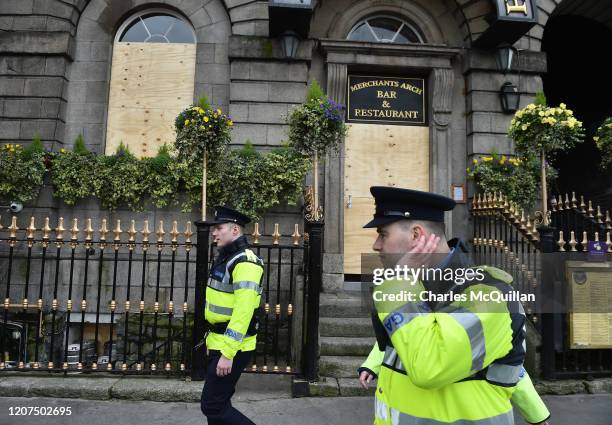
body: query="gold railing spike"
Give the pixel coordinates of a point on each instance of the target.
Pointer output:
(599, 215)
(567, 201)
(608, 241)
(160, 232)
(31, 229)
(256, 235)
(74, 230)
(174, 232)
(103, 230)
(289, 309)
(585, 241)
(572, 242)
(478, 202)
(132, 231)
(608, 221)
(506, 203)
(523, 220)
(528, 226)
(117, 232)
(276, 235)
(188, 233)
(590, 210)
(46, 229)
(145, 232)
(582, 205)
(59, 230)
(596, 236)
(88, 231)
(561, 242)
(296, 234)
(494, 200)
(574, 200)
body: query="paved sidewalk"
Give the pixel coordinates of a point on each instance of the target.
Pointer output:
(566, 410)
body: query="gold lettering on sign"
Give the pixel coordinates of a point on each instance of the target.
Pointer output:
(513, 6)
(385, 113)
(386, 94)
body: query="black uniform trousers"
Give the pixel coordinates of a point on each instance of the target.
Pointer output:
(218, 390)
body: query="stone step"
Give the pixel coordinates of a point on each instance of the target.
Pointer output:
(346, 326)
(335, 305)
(346, 346)
(340, 387)
(340, 366)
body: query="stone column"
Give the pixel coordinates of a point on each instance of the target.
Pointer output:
(441, 84)
(333, 264)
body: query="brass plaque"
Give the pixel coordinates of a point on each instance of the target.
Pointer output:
(590, 298)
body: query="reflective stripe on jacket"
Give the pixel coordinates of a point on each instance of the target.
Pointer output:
(233, 292)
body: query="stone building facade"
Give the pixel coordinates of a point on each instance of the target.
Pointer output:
(55, 79)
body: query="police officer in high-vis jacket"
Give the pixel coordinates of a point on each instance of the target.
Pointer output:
(445, 361)
(233, 294)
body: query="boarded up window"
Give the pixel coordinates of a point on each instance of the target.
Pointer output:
(152, 80)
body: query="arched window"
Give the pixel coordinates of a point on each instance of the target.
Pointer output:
(152, 80)
(156, 27)
(385, 29)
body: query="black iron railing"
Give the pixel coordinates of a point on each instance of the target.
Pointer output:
(505, 236)
(132, 301)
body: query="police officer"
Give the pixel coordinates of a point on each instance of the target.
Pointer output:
(443, 362)
(233, 294)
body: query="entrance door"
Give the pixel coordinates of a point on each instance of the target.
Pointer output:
(378, 155)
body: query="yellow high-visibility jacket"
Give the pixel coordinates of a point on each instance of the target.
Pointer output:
(457, 363)
(233, 293)
(525, 397)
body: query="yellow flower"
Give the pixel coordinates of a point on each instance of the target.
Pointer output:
(230, 123)
(205, 119)
(187, 122)
(487, 158)
(562, 105)
(609, 125)
(467, 169)
(519, 114)
(219, 111)
(62, 150)
(541, 113)
(531, 106)
(595, 138)
(209, 125)
(524, 127)
(475, 161)
(201, 127)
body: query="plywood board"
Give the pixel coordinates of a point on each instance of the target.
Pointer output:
(378, 155)
(150, 84)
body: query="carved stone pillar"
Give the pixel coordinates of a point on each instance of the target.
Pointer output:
(441, 83)
(334, 166)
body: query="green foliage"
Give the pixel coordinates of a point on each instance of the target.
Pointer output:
(74, 173)
(120, 180)
(161, 181)
(518, 178)
(603, 140)
(315, 92)
(540, 98)
(317, 126)
(201, 129)
(22, 171)
(254, 182)
(538, 128)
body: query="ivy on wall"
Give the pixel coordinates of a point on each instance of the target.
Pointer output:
(245, 178)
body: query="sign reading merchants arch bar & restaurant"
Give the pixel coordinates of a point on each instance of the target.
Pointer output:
(387, 100)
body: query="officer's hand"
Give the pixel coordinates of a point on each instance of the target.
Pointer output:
(365, 378)
(420, 253)
(224, 366)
